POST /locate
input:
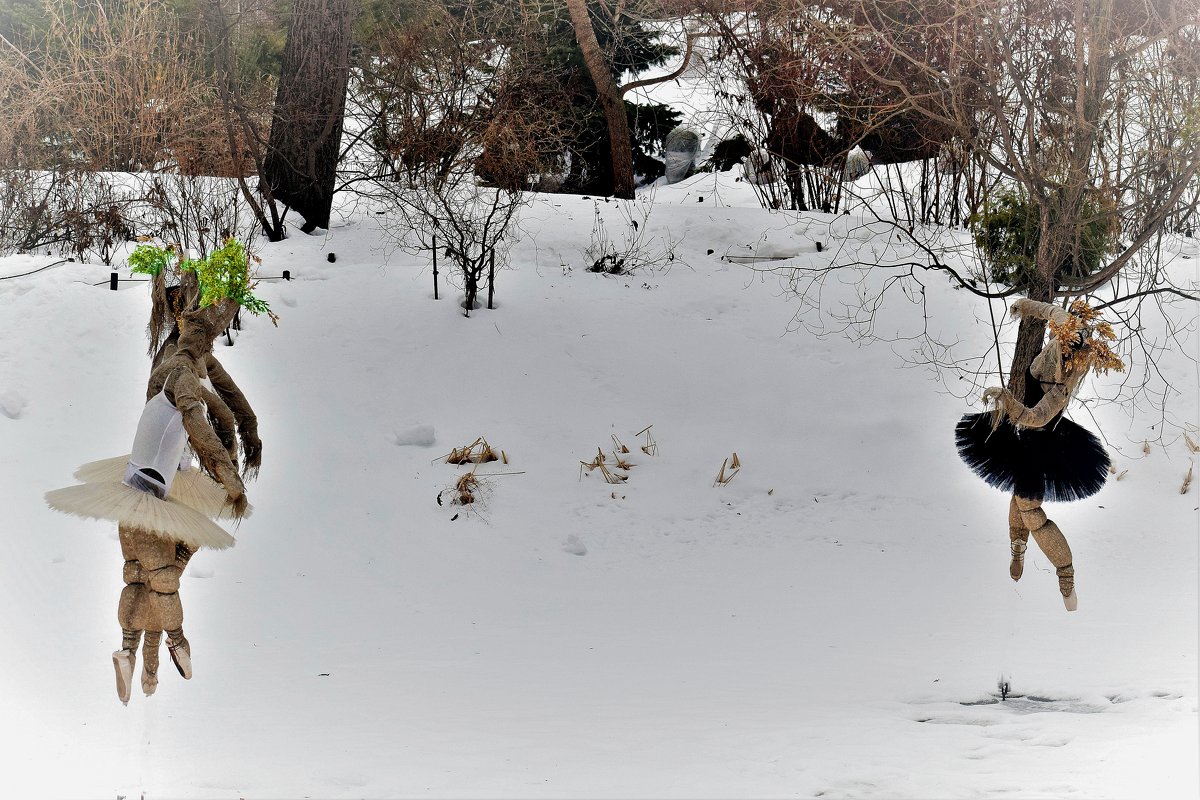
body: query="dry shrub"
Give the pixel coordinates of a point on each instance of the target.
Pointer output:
(477, 452)
(113, 88)
(600, 462)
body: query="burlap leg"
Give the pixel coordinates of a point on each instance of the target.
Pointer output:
(133, 609)
(183, 554)
(166, 611)
(150, 661)
(1051, 542)
(181, 652)
(1018, 538)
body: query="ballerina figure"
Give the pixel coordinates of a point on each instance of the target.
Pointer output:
(1030, 449)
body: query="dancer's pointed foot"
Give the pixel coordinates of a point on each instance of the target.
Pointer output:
(1016, 567)
(123, 665)
(1066, 586)
(181, 653)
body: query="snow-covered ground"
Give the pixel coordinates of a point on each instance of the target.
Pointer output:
(833, 622)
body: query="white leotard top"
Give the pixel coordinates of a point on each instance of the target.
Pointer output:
(158, 445)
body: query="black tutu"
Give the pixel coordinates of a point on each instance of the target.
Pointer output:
(1058, 463)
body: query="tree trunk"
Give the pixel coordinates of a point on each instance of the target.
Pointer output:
(610, 98)
(306, 128)
(1030, 337)
(1030, 340)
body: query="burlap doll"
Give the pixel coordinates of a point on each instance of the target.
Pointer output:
(229, 412)
(1030, 449)
(160, 507)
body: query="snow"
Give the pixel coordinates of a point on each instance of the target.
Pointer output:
(832, 622)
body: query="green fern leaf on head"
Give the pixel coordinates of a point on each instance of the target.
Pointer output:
(147, 259)
(223, 275)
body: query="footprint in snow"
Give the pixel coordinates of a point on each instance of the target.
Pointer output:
(13, 404)
(574, 546)
(415, 436)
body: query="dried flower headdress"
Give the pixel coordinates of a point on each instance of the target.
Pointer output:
(1083, 335)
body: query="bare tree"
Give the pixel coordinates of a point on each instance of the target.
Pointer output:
(306, 130)
(113, 126)
(101, 89)
(610, 93)
(787, 85)
(447, 133)
(1083, 109)
(243, 120)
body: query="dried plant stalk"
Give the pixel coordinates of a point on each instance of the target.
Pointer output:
(1187, 480)
(477, 452)
(650, 448)
(600, 463)
(465, 488)
(734, 465)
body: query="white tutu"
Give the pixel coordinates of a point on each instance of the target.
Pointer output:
(141, 511)
(192, 487)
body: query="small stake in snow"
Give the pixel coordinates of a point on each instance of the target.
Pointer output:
(433, 244)
(112, 281)
(491, 278)
(287, 274)
(1004, 687)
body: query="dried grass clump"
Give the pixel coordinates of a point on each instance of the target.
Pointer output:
(734, 464)
(465, 488)
(600, 462)
(613, 468)
(477, 452)
(464, 491)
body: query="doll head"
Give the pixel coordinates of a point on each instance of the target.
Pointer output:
(1083, 340)
(1077, 341)
(181, 286)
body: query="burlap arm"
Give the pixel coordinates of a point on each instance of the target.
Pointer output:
(1038, 310)
(1007, 405)
(247, 420)
(223, 422)
(185, 392)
